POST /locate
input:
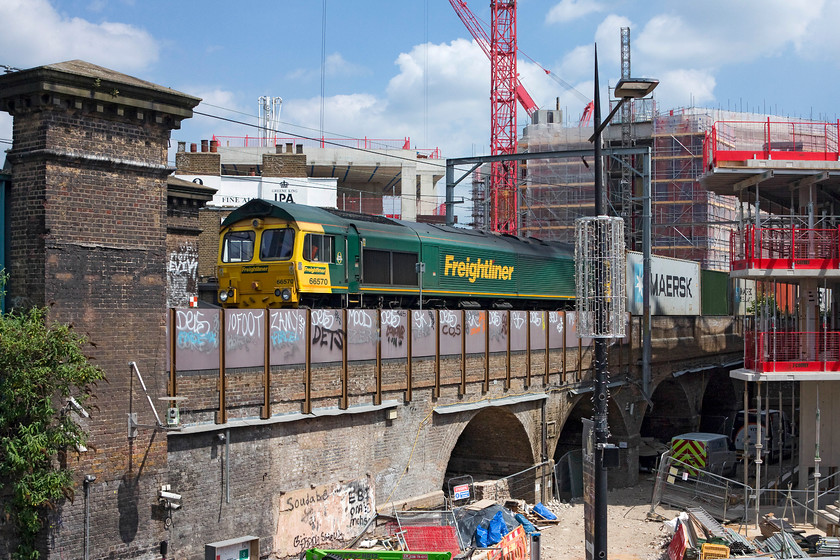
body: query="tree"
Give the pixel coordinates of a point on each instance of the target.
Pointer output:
(41, 367)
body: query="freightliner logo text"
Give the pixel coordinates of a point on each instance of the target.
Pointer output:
(483, 269)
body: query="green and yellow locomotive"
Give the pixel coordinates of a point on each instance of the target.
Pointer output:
(274, 254)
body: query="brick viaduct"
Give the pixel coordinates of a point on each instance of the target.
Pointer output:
(95, 225)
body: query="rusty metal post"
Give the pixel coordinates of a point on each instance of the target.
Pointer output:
(462, 390)
(437, 355)
(486, 324)
(173, 388)
(221, 414)
(507, 368)
(265, 412)
(528, 350)
(408, 372)
(377, 399)
(345, 398)
(547, 348)
(307, 372)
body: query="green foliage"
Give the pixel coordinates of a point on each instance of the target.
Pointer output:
(41, 366)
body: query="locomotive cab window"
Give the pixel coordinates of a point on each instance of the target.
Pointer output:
(319, 248)
(238, 246)
(277, 244)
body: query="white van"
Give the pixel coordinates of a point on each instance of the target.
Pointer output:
(704, 451)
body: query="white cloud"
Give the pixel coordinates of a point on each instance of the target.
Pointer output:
(577, 63)
(34, 33)
(608, 37)
(726, 32)
(335, 65)
(820, 39)
(570, 10)
(685, 88)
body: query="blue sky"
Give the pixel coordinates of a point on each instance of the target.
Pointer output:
(396, 69)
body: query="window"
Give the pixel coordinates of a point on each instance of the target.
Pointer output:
(277, 244)
(238, 246)
(319, 248)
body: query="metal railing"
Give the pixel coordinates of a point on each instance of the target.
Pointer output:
(785, 248)
(533, 484)
(773, 351)
(684, 485)
(768, 140)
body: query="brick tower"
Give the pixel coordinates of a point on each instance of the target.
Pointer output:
(88, 237)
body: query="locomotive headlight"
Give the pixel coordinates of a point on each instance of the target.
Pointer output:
(223, 296)
(286, 294)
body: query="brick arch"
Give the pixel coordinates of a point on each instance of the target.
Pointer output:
(493, 444)
(571, 433)
(674, 411)
(721, 400)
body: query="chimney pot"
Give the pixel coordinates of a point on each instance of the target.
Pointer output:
(193, 147)
(182, 146)
(204, 147)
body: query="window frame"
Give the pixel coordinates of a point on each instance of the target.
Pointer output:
(226, 246)
(322, 240)
(273, 230)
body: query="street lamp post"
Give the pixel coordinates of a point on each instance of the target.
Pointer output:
(624, 90)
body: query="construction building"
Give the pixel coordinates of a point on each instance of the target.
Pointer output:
(687, 220)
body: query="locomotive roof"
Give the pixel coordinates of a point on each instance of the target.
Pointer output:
(258, 208)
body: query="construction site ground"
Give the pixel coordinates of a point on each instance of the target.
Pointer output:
(629, 535)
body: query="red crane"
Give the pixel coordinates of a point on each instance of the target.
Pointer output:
(505, 91)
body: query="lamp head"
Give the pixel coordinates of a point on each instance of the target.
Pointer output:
(635, 88)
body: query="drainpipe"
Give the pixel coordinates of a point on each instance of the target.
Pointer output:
(88, 480)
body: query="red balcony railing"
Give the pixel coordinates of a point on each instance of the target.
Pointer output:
(779, 140)
(784, 351)
(784, 248)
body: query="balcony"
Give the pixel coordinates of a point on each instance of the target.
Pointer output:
(740, 141)
(792, 352)
(784, 250)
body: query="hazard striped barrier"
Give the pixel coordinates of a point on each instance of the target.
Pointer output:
(690, 452)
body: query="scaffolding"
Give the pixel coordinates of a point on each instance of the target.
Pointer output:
(555, 192)
(688, 222)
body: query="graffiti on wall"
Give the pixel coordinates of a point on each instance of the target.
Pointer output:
(394, 327)
(248, 331)
(327, 338)
(423, 325)
(197, 338)
(287, 333)
(182, 275)
(324, 517)
(362, 334)
(244, 337)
